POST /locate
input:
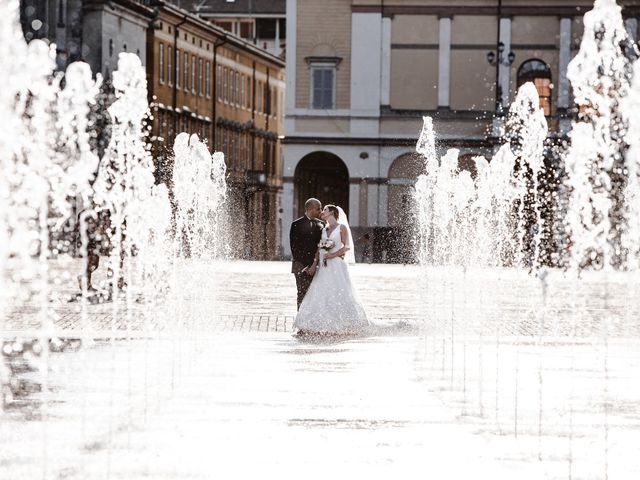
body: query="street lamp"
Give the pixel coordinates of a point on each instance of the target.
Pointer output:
(497, 58)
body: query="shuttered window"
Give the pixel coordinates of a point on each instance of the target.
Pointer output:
(322, 88)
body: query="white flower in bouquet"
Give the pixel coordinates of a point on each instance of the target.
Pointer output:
(326, 245)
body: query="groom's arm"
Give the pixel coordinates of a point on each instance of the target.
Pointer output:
(312, 269)
(293, 237)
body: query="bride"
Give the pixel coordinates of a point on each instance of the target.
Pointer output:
(331, 305)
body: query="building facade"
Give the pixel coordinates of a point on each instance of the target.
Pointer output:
(362, 73)
(205, 80)
(93, 31)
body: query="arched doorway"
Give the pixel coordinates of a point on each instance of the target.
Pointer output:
(324, 176)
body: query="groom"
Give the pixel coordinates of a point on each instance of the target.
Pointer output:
(304, 237)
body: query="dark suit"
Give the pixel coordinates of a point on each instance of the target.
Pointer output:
(304, 237)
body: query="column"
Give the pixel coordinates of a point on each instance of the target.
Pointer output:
(372, 201)
(366, 30)
(385, 76)
(444, 62)
(383, 204)
(565, 58)
(363, 203)
(505, 71)
(354, 204)
(290, 92)
(563, 81)
(287, 215)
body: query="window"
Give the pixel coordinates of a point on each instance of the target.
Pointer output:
(228, 26)
(232, 95)
(177, 68)
(160, 123)
(186, 71)
(225, 87)
(245, 151)
(200, 79)
(274, 102)
(246, 29)
(232, 147)
(170, 66)
(224, 142)
(539, 73)
(219, 82)
(267, 100)
(208, 80)
(258, 105)
(237, 83)
(161, 64)
(322, 87)
(249, 97)
(242, 91)
(193, 74)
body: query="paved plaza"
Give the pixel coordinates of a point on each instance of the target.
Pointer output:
(235, 395)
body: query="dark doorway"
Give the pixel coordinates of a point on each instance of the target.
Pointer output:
(324, 176)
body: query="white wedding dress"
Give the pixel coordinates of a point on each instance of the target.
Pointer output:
(331, 304)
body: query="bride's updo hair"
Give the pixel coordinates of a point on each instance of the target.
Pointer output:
(333, 209)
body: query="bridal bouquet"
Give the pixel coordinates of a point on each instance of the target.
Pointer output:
(326, 245)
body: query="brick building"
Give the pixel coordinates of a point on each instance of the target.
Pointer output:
(205, 80)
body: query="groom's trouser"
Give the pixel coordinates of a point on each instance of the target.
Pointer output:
(303, 280)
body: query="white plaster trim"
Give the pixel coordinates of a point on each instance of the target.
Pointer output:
(310, 112)
(505, 37)
(372, 204)
(354, 205)
(290, 62)
(287, 215)
(383, 205)
(385, 75)
(406, 182)
(366, 30)
(564, 59)
(444, 62)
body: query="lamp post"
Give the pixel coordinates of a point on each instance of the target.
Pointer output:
(498, 58)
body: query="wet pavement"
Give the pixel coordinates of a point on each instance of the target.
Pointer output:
(459, 393)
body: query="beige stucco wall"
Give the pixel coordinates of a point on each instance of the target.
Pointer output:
(535, 30)
(473, 30)
(472, 80)
(414, 29)
(463, 128)
(323, 125)
(401, 127)
(323, 28)
(410, 127)
(414, 79)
